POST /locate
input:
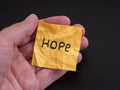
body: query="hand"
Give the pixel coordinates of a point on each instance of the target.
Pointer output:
(16, 47)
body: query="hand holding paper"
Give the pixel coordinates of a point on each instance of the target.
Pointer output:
(16, 50)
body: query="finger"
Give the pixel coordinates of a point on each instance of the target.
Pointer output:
(84, 43)
(48, 76)
(58, 20)
(79, 58)
(83, 29)
(20, 31)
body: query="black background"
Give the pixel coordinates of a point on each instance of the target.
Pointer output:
(100, 67)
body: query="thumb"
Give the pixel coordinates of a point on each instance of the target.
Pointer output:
(19, 31)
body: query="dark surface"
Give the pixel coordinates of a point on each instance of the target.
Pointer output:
(100, 67)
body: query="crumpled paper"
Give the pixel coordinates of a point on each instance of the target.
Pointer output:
(56, 46)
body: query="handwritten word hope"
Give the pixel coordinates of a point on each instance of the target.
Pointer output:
(56, 45)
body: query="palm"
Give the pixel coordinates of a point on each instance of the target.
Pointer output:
(21, 74)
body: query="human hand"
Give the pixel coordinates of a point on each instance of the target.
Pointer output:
(16, 48)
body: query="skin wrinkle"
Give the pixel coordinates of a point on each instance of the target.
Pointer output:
(4, 55)
(15, 84)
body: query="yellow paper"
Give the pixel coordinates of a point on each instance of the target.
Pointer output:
(57, 46)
